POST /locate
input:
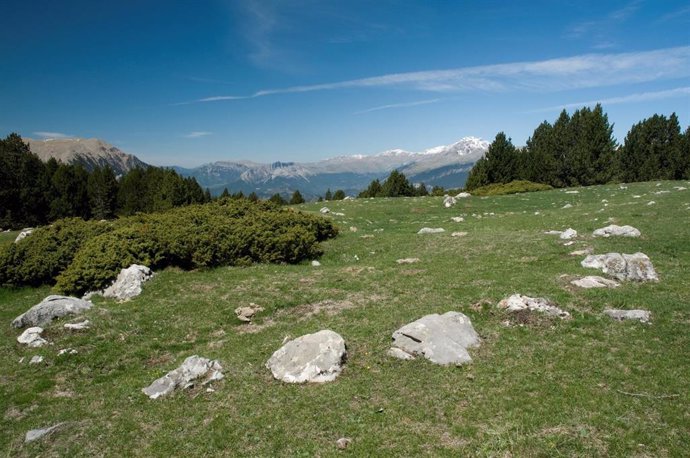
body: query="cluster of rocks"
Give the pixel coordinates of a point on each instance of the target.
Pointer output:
(518, 302)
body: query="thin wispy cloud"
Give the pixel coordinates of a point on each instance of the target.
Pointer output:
(675, 14)
(632, 98)
(197, 134)
(399, 105)
(46, 135)
(599, 28)
(584, 71)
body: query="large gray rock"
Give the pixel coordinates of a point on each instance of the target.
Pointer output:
(448, 201)
(518, 302)
(192, 370)
(51, 307)
(633, 267)
(593, 281)
(614, 230)
(32, 337)
(314, 357)
(568, 234)
(36, 434)
(128, 282)
(442, 339)
(620, 315)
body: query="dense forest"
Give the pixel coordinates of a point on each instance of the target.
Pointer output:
(580, 150)
(33, 192)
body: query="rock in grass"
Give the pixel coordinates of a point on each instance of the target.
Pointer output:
(32, 337)
(633, 267)
(317, 357)
(316, 263)
(36, 434)
(448, 201)
(325, 210)
(36, 359)
(640, 315)
(82, 325)
(518, 302)
(593, 281)
(614, 230)
(568, 234)
(463, 195)
(457, 219)
(442, 339)
(128, 282)
(343, 443)
(49, 308)
(246, 313)
(407, 260)
(458, 234)
(23, 234)
(431, 230)
(193, 369)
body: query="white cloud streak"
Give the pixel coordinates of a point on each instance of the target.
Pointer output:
(47, 135)
(399, 105)
(560, 74)
(632, 98)
(197, 134)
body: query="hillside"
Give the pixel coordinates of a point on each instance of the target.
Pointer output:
(537, 385)
(446, 166)
(90, 152)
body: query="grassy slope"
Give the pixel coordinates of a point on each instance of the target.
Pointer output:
(548, 388)
(7, 238)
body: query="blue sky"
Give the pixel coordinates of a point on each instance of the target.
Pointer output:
(190, 82)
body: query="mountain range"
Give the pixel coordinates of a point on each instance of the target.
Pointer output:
(446, 166)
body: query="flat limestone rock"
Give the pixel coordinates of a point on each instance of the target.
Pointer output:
(458, 234)
(568, 234)
(518, 302)
(640, 315)
(632, 267)
(32, 337)
(246, 313)
(49, 308)
(463, 195)
(457, 219)
(192, 369)
(324, 210)
(23, 234)
(442, 339)
(82, 325)
(128, 282)
(431, 230)
(614, 230)
(408, 260)
(36, 434)
(593, 281)
(314, 357)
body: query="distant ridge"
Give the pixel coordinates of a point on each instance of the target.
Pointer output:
(446, 165)
(90, 152)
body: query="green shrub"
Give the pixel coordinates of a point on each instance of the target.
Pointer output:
(40, 257)
(85, 256)
(514, 187)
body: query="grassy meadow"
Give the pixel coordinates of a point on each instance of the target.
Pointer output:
(538, 386)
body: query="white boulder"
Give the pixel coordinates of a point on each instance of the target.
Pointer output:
(314, 358)
(32, 337)
(593, 281)
(23, 234)
(518, 302)
(49, 308)
(193, 369)
(442, 339)
(128, 282)
(431, 230)
(640, 315)
(615, 230)
(633, 267)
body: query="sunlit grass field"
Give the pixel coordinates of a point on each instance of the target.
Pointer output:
(538, 386)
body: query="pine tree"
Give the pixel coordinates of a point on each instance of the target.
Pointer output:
(374, 190)
(478, 175)
(329, 195)
(339, 195)
(501, 160)
(296, 198)
(422, 191)
(277, 199)
(225, 194)
(397, 185)
(253, 197)
(102, 193)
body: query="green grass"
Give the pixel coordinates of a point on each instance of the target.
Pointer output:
(543, 388)
(7, 238)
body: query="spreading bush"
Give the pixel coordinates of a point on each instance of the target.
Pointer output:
(514, 187)
(225, 232)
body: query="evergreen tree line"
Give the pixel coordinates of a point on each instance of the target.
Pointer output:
(397, 185)
(580, 150)
(33, 192)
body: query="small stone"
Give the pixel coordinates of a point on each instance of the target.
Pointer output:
(568, 234)
(584, 252)
(569, 243)
(518, 302)
(407, 260)
(325, 210)
(86, 324)
(32, 337)
(431, 230)
(36, 434)
(458, 234)
(316, 263)
(68, 351)
(353, 229)
(567, 206)
(457, 219)
(246, 313)
(642, 316)
(36, 359)
(463, 195)
(399, 354)
(594, 281)
(615, 230)
(651, 202)
(343, 443)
